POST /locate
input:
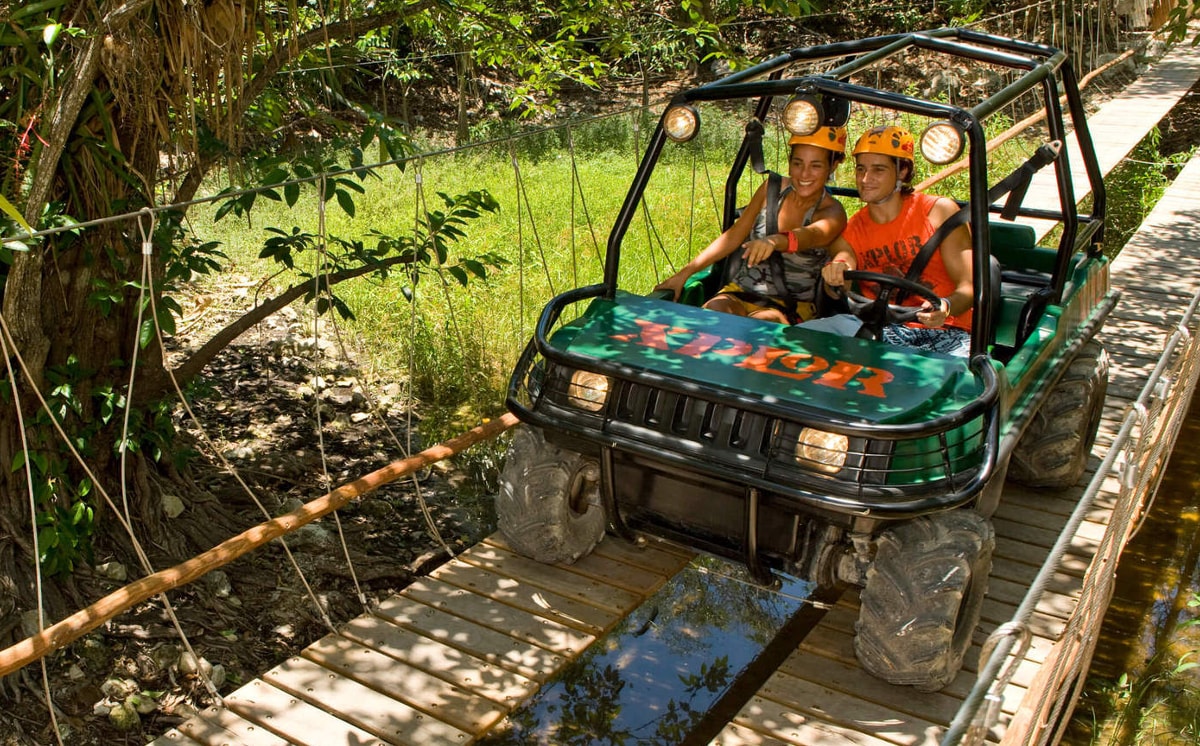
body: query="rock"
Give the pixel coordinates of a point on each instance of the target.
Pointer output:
(164, 656)
(189, 665)
(218, 582)
(359, 417)
(344, 398)
(309, 536)
(93, 653)
(240, 452)
(119, 689)
(172, 506)
(143, 703)
(75, 673)
(102, 708)
(113, 571)
(218, 675)
(124, 717)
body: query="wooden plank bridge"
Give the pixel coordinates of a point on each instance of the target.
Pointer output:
(450, 656)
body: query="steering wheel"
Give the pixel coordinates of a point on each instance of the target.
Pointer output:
(876, 312)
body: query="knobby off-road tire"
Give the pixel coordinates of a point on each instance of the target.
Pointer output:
(549, 502)
(923, 596)
(1053, 451)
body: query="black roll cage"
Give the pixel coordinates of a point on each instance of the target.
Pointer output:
(1043, 65)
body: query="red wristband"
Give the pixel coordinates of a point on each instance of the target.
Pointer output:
(793, 242)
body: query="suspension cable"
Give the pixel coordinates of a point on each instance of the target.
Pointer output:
(321, 272)
(421, 215)
(37, 551)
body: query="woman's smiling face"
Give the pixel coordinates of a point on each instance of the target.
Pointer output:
(809, 168)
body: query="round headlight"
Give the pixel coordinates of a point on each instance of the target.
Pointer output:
(941, 143)
(681, 122)
(802, 115)
(817, 449)
(588, 390)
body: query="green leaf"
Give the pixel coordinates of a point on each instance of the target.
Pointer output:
(11, 211)
(291, 193)
(146, 333)
(346, 200)
(50, 33)
(476, 268)
(459, 274)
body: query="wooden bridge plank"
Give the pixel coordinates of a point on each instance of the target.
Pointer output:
(507, 652)
(293, 718)
(835, 708)
(394, 721)
(835, 640)
(539, 630)
(1019, 552)
(557, 578)
(412, 687)
(856, 683)
(792, 727)
(640, 581)
(174, 738)
(503, 589)
(456, 666)
(217, 726)
(655, 555)
(740, 735)
(608, 570)
(1024, 574)
(1088, 537)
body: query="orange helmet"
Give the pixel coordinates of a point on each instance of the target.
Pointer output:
(887, 140)
(827, 138)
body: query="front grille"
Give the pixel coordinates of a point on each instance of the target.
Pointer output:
(726, 441)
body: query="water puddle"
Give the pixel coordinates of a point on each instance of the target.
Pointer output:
(676, 669)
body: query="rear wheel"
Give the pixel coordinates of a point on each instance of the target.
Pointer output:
(549, 502)
(923, 597)
(1053, 451)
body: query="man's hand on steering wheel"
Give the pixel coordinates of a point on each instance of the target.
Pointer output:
(877, 312)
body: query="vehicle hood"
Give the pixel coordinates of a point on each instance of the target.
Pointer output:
(826, 375)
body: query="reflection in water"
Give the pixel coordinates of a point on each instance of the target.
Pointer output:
(1150, 628)
(651, 680)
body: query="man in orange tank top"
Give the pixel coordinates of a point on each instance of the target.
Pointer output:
(887, 233)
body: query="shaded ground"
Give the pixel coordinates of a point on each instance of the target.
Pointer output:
(258, 407)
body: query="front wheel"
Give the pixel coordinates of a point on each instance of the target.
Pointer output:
(923, 597)
(1053, 452)
(549, 502)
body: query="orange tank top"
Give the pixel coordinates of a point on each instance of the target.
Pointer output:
(889, 248)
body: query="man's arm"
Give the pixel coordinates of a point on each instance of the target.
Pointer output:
(956, 256)
(843, 261)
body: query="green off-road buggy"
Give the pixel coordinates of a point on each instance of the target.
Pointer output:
(841, 460)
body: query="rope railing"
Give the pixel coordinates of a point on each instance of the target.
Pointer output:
(85, 620)
(1137, 459)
